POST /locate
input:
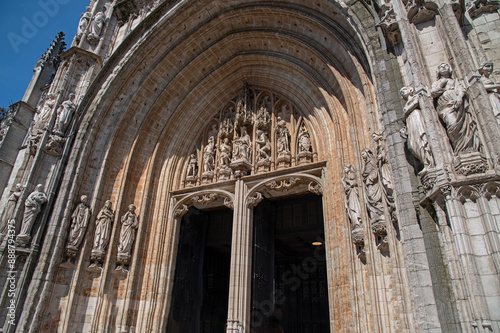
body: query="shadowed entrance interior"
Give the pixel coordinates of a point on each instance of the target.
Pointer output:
(289, 281)
(201, 285)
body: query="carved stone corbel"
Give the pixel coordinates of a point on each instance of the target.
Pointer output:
(180, 211)
(421, 10)
(204, 199)
(254, 200)
(478, 7)
(315, 188)
(491, 189)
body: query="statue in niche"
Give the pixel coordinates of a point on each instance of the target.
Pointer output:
(263, 146)
(351, 190)
(243, 146)
(385, 172)
(82, 26)
(449, 96)
(130, 223)
(96, 27)
(64, 115)
(102, 231)
(192, 169)
(209, 156)
(374, 191)
(225, 153)
(414, 132)
(283, 137)
(32, 206)
(304, 140)
(262, 119)
(491, 87)
(79, 222)
(10, 207)
(42, 118)
(224, 169)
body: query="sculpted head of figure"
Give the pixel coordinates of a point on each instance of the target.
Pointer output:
(71, 96)
(348, 168)
(39, 188)
(84, 199)
(443, 70)
(18, 187)
(107, 204)
(131, 208)
(366, 154)
(377, 136)
(486, 68)
(406, 92)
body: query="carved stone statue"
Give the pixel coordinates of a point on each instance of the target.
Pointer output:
(102, 231)
(491, 86)
(192, 169)
(10, 207)
(283, 137)
(225, 153)
(64, 115)
(263, 146)
(209, 156)
(415, 131)
(42, 118)
(385, 172)
(96, 27)
(304, 140)
(351, 190)
(374, 191)
(82, 26)
(130, 223)
(32, 206)
(79, 222)
(449, 95)
(243, 146)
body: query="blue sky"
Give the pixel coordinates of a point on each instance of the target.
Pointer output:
(27, 28)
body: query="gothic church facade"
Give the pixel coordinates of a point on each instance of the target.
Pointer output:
(257, 166)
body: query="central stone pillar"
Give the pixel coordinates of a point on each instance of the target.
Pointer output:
(238, 319)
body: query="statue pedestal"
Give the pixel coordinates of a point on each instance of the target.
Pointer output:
(283, 160)
(207, 177)
(123, 259)
(224, 173)
(191, 181)
(241, 168)
(263, 166)
(71, 251)
(470, 163)
(304, 157)
(97, 255)
(23, 240)
(428, 179)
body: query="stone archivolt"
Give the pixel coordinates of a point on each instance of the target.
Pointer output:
(256, 132)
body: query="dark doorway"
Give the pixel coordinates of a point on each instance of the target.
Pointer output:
(289, 280)
(201, 284)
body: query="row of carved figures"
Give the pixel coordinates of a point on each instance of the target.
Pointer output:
(64, 115)
(91, 24)
(237, 155)
(78, 227)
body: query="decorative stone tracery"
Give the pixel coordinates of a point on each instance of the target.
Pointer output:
(256, 132)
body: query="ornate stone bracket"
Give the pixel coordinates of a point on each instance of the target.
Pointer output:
(254, 200)
(315, 188)
(478, 7)
(201, 199)
(470, 163)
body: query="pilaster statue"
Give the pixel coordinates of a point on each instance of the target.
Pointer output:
(102, 231)
(209, 156)
(351, 190)
(225, 153)
(385, 172)
(9, 209)
(82, 26)
(263, 146)
(243, 146)
(414, 132)
(32, 206)
(192, 169)
(491, 86)
(64, 115)
(95, 28)
(79, 221)
(130, 223)
(283, 136)
(374, 191)
(449, 96)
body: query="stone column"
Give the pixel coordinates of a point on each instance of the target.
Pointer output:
(238, 318)
(463, 247)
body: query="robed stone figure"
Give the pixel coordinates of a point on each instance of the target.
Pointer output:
(79, 221)
(130, 223)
